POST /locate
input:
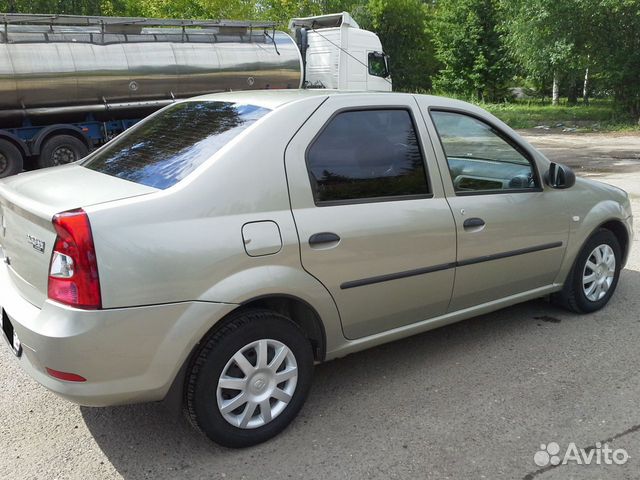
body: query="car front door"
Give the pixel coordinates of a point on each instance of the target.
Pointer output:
(512, 232)
(373, 223)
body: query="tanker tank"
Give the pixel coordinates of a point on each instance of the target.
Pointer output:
(71, 83)
(47, 69)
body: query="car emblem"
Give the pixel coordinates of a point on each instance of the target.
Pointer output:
(36, 243)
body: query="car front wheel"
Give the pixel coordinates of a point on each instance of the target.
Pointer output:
(595, 274)
(249, 379)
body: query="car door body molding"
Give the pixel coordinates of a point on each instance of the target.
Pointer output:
(395, 276)
(445, 266)
(512, 253)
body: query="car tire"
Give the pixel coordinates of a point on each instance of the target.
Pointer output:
(11, 161)
(594, 276)
(268, 406)
(60, 150)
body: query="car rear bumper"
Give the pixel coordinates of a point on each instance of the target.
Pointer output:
(126, 355)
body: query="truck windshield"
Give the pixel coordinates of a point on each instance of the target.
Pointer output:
(169, 146)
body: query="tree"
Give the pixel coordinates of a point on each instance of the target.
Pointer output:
(281, 11)
(469, 45)
(551, 39)
(615, 32)
(213, 9)
(72, 7)
(401, 26)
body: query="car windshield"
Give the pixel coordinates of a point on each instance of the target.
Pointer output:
(169, 146)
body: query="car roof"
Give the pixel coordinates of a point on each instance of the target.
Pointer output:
(273, 99)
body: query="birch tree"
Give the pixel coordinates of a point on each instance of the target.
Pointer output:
(549, 38)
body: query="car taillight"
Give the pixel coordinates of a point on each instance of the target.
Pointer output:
(73, 273)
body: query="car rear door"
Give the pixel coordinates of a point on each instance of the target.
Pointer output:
(511, 231)
(369, 207)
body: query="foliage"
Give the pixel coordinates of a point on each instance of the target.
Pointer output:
(276, 10)
(568, 36)
(542, 35)
(473, 49)
(550, 39)
(401, 26)
(69, 7)
(615, 30)
(469, 45)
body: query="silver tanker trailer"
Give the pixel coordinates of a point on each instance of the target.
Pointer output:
(70, 83)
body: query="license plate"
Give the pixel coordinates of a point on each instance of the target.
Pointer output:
(10, 334)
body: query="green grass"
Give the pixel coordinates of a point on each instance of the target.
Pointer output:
(599, 115)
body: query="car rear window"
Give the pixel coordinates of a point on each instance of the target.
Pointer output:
(169, 146)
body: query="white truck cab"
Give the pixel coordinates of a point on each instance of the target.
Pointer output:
(337, 53)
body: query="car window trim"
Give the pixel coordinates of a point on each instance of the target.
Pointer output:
(359, 201)
(500, 133)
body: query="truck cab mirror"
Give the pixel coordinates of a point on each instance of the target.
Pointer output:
(378, 64)
(560, 176)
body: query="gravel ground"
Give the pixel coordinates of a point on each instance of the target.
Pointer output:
(471, 400)
(597, 154)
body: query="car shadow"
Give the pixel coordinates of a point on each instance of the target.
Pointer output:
(151, 441)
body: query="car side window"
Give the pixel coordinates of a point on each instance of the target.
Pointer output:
(367, 155)
(479, 158)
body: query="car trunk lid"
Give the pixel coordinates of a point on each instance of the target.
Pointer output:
(28, 203)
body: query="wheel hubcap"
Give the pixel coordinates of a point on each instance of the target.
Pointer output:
(63, 155)
(599, 272)
(257, 383)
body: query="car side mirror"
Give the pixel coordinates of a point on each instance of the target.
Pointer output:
(560, 176)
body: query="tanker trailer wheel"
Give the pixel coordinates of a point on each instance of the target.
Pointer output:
(61, 149)
(10, 159)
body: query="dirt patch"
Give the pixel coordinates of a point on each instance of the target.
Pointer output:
(590, 154)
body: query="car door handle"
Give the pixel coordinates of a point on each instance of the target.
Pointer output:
(323, 238)
(473, 223)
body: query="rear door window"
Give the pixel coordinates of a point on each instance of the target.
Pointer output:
(367, 155)
(169, 146)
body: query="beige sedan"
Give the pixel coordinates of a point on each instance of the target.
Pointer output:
(222, 246)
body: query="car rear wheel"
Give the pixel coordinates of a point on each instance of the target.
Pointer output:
(249, 379)
(595, 274)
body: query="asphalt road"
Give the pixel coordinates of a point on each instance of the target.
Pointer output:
(471, 400)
